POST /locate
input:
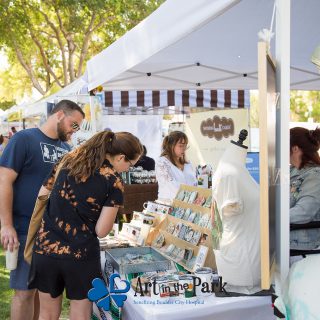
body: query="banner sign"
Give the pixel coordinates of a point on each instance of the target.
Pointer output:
(209, 134)
(252, 164)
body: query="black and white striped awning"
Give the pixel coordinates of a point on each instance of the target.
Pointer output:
(172, 101)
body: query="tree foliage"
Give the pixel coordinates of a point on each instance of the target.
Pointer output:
(4, 105)
(53, 39)
(14, 83)
(305, 105)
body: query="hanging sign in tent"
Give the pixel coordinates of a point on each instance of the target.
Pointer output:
(155, 101)
(209, 133)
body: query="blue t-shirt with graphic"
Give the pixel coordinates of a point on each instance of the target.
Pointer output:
(31, 154)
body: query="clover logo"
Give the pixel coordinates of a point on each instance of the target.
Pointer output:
(102, 295)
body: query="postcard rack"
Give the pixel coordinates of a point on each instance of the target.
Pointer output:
(184, 235)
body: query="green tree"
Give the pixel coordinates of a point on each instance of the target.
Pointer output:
(304, 105)
(300, 103)
(4, 105)
(14, 83)
(53, 39)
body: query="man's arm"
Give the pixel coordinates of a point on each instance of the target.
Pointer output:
(8, 233)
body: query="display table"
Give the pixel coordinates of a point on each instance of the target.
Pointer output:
(136, 194)
(202, 308)
(207, 308)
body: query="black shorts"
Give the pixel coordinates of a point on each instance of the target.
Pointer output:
(52, 275)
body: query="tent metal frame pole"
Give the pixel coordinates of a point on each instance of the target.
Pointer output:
(283, 139)
(158, 74)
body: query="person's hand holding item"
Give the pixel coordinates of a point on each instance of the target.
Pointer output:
(12, 257)
(9, 238)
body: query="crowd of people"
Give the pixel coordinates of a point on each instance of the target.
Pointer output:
(5, 139)
(84, 199)
(86, 191)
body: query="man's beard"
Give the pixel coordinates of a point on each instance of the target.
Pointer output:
(62, 134)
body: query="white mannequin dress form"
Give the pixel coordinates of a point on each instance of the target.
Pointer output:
(237, 199)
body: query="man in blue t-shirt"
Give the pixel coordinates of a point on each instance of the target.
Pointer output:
(25, 163)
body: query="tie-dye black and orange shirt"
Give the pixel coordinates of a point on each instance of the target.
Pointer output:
(68, 225)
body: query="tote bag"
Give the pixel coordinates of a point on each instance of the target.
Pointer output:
(35, 221)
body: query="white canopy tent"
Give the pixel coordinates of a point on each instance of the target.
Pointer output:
(212, 44)
(205, 44)
(40, 107)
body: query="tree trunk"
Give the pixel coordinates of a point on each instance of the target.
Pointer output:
(61, 46)
(72, 48)
(44, 57)
(29, 70)
(85, 44)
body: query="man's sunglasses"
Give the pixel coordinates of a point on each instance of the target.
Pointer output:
(75, 126)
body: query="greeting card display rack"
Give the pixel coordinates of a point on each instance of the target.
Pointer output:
(187, 230)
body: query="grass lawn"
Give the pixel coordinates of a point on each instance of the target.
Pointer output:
(6, 292)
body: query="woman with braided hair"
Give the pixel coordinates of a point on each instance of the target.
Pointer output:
(83, 204)
(304, 190)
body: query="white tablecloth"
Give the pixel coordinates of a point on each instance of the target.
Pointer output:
(207, 308)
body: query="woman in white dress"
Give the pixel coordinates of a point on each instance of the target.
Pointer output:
(172, 168)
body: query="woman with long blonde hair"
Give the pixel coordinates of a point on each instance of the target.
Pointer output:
(83, 205)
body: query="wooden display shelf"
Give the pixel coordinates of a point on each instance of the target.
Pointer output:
(172, 259)
(192, 206)
(190, 224)
(181, 243)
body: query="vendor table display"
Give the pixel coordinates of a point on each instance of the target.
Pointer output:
(185, 235)
(135, 260)
(139, 176)
(138, 307)
(207, 308)
(111, 242)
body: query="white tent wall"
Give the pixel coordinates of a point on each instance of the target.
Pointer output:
(147, 128)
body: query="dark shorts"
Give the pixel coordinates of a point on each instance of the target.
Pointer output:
(52, 275)
(19, 276)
